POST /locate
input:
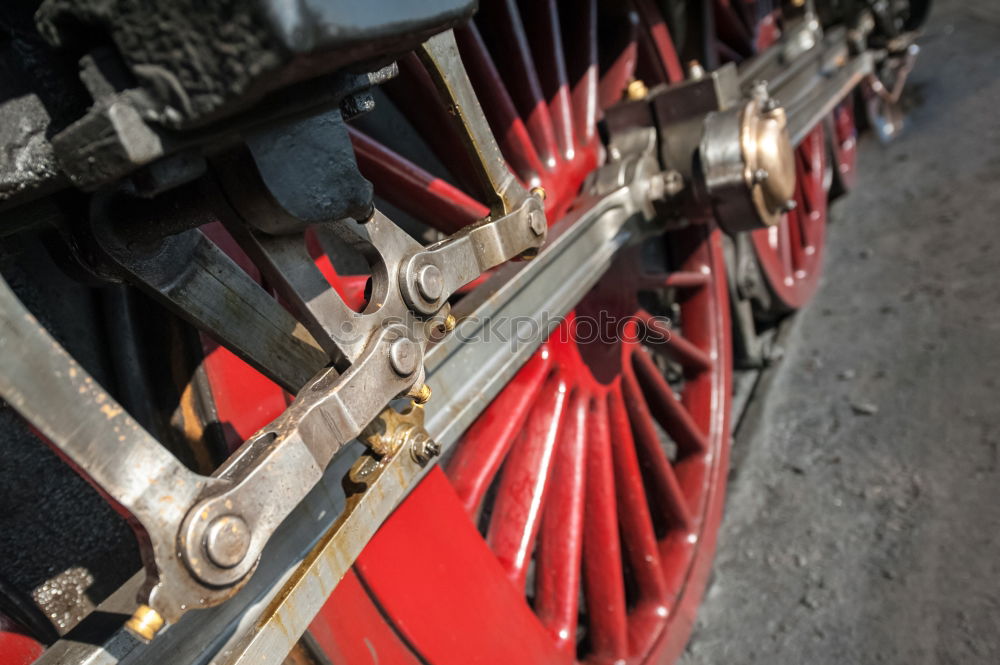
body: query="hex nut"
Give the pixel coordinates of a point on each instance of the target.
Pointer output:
(423, 449)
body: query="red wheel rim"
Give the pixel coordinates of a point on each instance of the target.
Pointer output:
(790, 253)
(611, 452)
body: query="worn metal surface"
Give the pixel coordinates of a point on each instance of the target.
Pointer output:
(808, 72)
(189, 274)
(444, 64)
(220, 537)
(191, 76)
(300, 448)
(465, 377)
(97, 436)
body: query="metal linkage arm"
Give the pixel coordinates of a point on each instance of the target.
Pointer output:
(444, 63)
(97, 436)
(201, 537)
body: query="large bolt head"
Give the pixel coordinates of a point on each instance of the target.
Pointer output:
(227, 541)
(430, 282)
(404, 356)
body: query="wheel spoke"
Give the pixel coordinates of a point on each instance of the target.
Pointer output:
(677, 347)
(546, 43)
(666, 408)
(513, 136)
(521, 493)
(796, 220)
(666, 491)
(810, 174)
(406, 185)
(633, 509)
(604, 585)
(785, 248)
(433, 122)
(513, 56)
(560, 543)
(732, 29)
(661, 39)
(485, 445)
(621, 70)
(583, 64)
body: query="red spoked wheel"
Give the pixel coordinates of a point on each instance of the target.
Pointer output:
(577, 518)
(580, 518)
(790, 253)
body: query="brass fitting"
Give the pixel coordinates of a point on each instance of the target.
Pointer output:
(145, 623)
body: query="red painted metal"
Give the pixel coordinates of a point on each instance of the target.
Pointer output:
(507, 126)
(633, 508)
(16, 647)
(565, 484)
(604, 585)
(545, 36)
(557, 581)
(513, 56)
(790, 254)
(475, 466)
(568, 455)
(582, 61)
(411, 188)
(620, 60)
(431, 573)
(588, 458)
(843, 134)
(659, 36)
(517, 512)
(351, 629)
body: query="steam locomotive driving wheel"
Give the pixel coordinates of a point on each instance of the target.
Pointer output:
(420, 346)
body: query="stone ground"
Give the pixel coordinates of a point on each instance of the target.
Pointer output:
(863, 518)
